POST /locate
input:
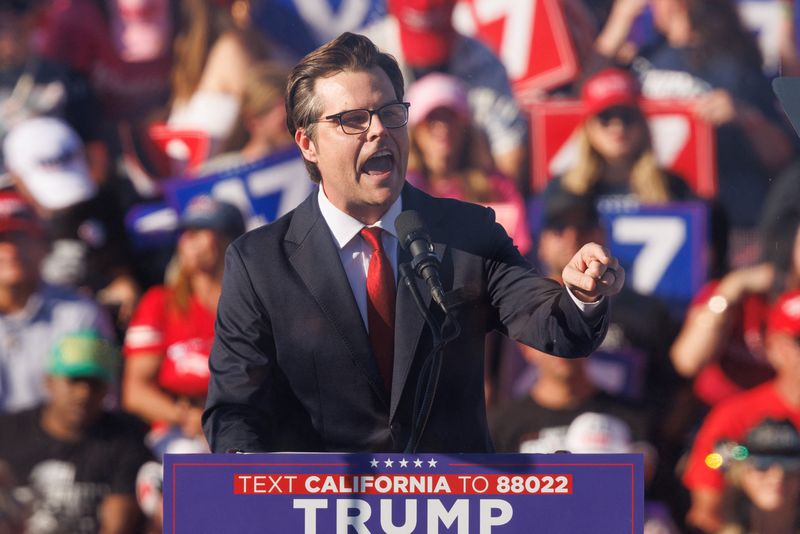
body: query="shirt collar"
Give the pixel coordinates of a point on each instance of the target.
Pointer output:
(344, 227)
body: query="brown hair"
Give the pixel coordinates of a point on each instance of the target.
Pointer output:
(348, 52)
(474, 166)
(647, 181)
(720, 31)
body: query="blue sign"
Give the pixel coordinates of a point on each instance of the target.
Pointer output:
(303, 25)
(263, 190)
(662, 248)
(421, 493)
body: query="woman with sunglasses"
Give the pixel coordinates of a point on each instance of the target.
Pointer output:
(615, 154)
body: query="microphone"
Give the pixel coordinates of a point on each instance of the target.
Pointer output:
(413, 237)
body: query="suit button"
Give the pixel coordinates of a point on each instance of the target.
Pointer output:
(395, 428)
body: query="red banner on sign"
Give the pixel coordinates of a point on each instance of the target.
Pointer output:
(529, 36)
(684, 143)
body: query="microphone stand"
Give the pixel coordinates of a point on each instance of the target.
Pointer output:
(431, 368)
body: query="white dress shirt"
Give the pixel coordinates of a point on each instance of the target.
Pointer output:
(355, 252)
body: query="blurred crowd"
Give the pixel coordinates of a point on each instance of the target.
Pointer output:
(104, 343)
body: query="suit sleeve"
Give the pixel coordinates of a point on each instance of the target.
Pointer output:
(241, 361)
(533, 309)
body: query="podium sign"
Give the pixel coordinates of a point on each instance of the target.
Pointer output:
(424, 493)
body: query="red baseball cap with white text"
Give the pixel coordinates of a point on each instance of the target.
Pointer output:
(609, 88)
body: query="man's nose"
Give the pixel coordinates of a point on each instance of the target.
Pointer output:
(376, 127)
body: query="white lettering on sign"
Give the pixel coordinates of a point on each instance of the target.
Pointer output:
(326, 24)
(408, 526)
(358, 521)
(662, 238)
(519, 18)
(356, 513)
(489, 520)
(310, 507)
(764, 18)
(458, 513)
(290, 177)
(670, 134)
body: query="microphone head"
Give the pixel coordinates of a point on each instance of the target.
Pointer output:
(409, 226)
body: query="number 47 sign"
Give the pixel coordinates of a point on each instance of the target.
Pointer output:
(662, 248)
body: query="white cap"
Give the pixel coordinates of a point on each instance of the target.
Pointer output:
(598, 433)
(47, 155)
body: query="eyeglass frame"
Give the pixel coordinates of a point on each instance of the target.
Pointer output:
(337, 117)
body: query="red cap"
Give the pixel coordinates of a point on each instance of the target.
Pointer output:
(426, 30)
(785, 314)
(17, 215)
(609, 88)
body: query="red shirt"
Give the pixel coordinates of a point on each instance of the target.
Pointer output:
(731, 420)
(742, 362)
(183, 339)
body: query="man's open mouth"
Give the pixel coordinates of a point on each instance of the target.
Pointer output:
(379, 163)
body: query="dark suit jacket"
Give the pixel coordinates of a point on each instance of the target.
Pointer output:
(292, 368)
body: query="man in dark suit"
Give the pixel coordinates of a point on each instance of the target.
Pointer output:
(308, 355)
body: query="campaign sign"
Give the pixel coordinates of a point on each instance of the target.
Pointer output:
(766, 19)
(303, 25)
(394, 493)
(530, 37)
(662, 248)
(263, 190)
(684, 143)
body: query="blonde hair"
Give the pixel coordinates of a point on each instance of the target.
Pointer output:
(647, 181)
(179, 281)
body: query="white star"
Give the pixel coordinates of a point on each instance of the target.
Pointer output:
(373, 463)
(403, 463)
(388, 462)
(417, 463)
(431, 463)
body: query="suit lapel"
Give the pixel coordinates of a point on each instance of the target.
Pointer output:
(316, 260)
(409, 323)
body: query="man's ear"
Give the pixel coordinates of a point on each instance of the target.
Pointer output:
(306, 145)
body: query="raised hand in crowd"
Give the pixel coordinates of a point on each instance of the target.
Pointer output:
(705, 327)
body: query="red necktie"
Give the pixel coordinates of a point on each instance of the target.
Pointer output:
(380, 304)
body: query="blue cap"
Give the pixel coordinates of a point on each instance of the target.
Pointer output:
(208, 213)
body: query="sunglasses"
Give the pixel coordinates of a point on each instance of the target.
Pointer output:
(627, 116)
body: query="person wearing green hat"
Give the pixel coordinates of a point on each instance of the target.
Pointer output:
(77, 461)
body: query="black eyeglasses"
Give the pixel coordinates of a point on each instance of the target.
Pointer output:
(356, 121)
(625, 115)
